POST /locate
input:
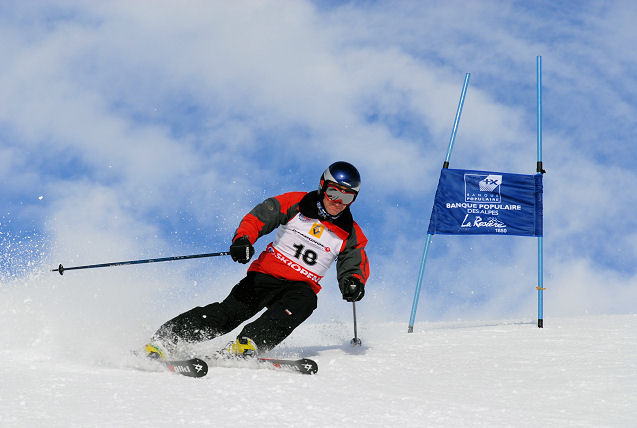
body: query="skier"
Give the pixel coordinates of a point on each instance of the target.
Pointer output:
(314, 229)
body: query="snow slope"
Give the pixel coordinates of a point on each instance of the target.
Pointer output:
(574, 372)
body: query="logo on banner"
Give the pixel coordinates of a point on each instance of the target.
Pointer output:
(482, 188)
(489, 222)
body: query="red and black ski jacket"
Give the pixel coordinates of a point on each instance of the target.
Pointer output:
(305, 246)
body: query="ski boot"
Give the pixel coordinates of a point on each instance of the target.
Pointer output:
(160, 348)
(241, 348)
(154, 351)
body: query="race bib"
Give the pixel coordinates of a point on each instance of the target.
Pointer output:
(308, 243)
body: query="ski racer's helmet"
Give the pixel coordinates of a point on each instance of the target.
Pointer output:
(346, 176)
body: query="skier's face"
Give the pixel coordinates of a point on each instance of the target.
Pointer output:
(336, 198)
(333, 207)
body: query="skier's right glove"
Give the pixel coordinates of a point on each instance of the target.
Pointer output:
(241, 250)
(352, 289)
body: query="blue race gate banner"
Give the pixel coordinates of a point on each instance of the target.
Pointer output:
(487, 203)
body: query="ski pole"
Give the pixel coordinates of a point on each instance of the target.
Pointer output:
(355, 341)
(61, 268)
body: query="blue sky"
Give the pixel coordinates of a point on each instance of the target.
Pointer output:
(148, 129)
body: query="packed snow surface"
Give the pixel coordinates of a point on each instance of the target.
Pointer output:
(574, 372)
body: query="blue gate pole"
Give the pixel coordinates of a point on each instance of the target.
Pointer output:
(540, 170)
(414, 305)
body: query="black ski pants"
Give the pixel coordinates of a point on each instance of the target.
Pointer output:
(288, 304)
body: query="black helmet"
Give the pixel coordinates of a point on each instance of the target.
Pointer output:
(342, 173)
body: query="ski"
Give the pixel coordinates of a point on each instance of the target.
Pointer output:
(303, 365)
(193, 367)
(198, 367)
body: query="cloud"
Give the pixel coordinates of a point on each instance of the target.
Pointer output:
(151, 128)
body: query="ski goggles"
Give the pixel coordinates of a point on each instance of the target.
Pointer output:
(334, 193)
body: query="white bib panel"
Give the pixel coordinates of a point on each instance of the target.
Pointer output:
(309, 243)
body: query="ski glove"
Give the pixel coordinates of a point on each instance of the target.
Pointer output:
(241, 250)
(352, 289)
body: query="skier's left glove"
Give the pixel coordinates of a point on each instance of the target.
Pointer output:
(241, 250)
(352, 289)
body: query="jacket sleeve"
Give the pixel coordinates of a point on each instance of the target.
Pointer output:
(352, 261)
(268, 215)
